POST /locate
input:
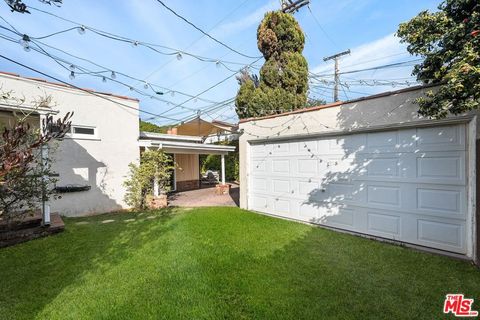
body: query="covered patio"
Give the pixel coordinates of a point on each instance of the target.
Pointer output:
(185, 151)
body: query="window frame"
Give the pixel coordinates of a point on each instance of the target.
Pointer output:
(83, 136)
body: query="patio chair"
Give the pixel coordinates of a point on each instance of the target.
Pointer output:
(210, 177)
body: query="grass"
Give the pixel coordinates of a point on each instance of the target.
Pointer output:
(218, 263)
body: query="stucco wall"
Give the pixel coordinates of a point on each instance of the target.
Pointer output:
(101, 163)
(394, 109)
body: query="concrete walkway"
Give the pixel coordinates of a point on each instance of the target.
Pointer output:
(204, 197)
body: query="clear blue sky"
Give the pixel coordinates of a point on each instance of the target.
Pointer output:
(366, 27)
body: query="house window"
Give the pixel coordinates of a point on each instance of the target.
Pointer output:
(83, 132)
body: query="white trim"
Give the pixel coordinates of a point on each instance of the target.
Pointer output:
(13, 107)
(163, 136)
(82, 136)
(187, 147)
(471, 235)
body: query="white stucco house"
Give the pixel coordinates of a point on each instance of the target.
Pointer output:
(92, 161)
(95, 154)
(370, 166)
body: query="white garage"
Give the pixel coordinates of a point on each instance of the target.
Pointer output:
(409, 184)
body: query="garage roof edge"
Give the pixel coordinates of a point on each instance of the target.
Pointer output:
(339, 103)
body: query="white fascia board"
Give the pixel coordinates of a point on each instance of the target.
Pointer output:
(14, 107)
(188, 146)
(164, 136)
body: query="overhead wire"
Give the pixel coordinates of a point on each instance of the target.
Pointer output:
(81, 89)
(113, 36)
(203, 32)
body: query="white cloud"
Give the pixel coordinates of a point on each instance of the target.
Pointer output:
(383, 51)
(380, 51)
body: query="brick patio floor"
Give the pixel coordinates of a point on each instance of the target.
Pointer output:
(204, 197)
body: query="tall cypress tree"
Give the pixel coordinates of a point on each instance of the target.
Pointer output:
(283, 81)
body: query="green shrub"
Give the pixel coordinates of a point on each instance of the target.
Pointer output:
(154, 164)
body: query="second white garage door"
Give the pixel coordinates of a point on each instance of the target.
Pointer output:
(407, 185)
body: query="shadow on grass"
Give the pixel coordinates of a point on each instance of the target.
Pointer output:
(34, 273)
(223, 263)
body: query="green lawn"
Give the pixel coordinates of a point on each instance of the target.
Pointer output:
(219, 263)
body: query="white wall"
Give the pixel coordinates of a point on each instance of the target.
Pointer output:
(395, 109)
(101, 163)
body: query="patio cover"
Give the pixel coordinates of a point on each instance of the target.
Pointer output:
(202, 128)
(181, 144)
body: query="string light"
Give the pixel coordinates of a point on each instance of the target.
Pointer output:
(218, 64)
(113, 75)
(179, 56)
(135, 43)
(81, 29)
(25, 41)
(72, 67)
(72, 75)
(145, 85)
(104, 79)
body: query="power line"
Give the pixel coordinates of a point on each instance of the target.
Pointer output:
(82, 70)
(204, 33)
(152, 46)
(81, 89)
(386, 66)
(321, 28)
(106, 69)
(195, 41)
(208, 89)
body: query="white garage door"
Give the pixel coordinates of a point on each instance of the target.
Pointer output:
(407, 185)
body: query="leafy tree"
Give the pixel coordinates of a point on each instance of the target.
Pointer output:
(232, 164)
(449, 42)
(313, 102)
(154, 165)
(22, 169)
(151, 127)
(283, 81)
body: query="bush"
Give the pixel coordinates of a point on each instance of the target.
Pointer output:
(154, 165)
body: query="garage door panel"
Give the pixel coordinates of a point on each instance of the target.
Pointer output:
(306, 188)
(441, 167)
(307, 167)
(259, 203)
(384, 225)
(446, 236)
(259, 184)
(442, 201)
(384, 195)
(281, 186)
(388, 167)
(340, 218)
(407, 185)
(441, 138)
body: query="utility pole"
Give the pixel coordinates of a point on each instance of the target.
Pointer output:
(292, 6)
(337, 77)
